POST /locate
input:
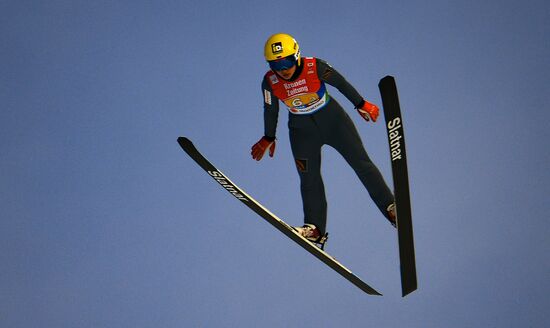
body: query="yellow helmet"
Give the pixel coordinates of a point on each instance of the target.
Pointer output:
(281, 45)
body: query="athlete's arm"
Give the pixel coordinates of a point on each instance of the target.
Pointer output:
(271, 110)
(331, 76)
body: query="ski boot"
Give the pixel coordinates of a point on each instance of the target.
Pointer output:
(392, 217)
(311, 233)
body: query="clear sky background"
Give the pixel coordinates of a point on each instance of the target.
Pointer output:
(105, 222)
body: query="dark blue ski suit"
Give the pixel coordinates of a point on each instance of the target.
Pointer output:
(316, 119)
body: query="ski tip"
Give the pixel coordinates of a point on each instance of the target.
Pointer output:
(184, 141)
(387, 79)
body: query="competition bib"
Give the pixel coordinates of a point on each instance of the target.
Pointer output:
(304, 95)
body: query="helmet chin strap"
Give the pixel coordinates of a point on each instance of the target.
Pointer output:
(299, 68)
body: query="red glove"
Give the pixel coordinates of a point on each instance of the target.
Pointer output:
(262, 146)
(369, 111)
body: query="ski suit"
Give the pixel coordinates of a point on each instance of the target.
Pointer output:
(316, 119)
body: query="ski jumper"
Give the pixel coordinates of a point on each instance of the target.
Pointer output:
(316, 119)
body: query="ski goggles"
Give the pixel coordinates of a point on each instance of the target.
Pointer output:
(283, 63)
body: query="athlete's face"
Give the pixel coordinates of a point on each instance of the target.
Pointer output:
(287, 73)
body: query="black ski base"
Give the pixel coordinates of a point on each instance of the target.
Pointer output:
(282, 226)
(398, 156)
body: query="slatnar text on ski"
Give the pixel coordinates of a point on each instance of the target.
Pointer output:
(227, 185)
(395, 143)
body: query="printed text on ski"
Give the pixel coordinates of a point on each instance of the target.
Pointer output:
(395, 137)
(224, 182)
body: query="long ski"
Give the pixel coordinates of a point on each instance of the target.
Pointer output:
(282, 226)
(398, 155)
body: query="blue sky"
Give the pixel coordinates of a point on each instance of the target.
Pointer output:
(105, 222)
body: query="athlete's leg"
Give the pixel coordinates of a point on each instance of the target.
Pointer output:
(306, 149)
(346, 140)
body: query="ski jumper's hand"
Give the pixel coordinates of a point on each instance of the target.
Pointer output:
(262, 146)
(368, 111)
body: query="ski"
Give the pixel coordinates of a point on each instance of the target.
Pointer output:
(259, 209)
(398, 156)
